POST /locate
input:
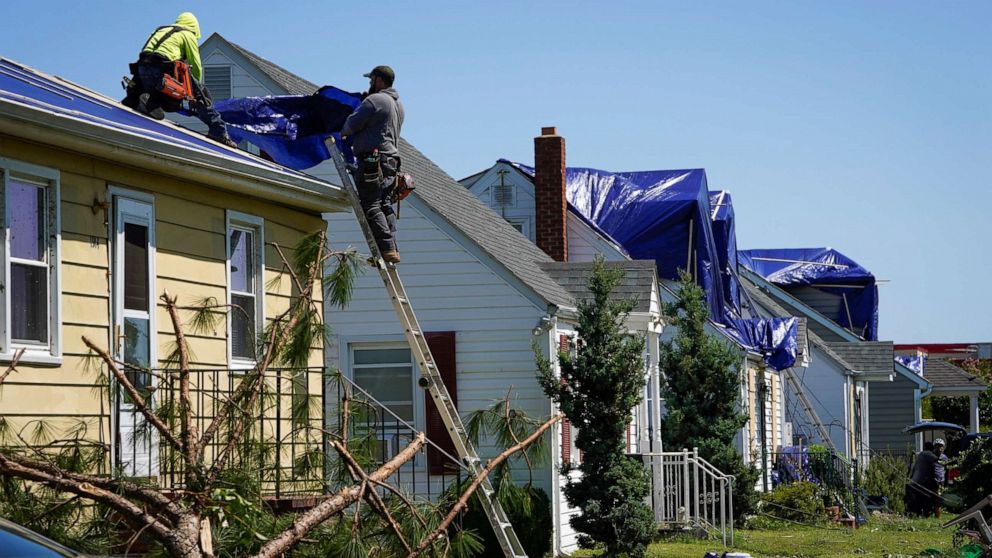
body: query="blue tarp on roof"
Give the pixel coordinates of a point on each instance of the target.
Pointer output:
(291, 129)
(666, 216)
(26, 86)
(914, 363)
(725, 238)
(830, 272)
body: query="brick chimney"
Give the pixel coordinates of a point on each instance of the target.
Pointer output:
(549, 194)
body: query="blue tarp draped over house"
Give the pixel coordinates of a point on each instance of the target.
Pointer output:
(776, 338)
(854, 302)
(725, 238)
(666, 216)
(290, 129)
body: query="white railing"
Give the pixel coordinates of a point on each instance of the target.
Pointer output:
(688, 492)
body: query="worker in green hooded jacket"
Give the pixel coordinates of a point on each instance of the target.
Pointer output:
(167, 44)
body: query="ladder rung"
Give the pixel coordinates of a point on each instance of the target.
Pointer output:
(507, 538)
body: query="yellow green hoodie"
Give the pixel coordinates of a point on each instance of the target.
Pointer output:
(181, 45)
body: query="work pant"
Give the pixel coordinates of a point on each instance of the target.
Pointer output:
(149, 79)
(373, 193)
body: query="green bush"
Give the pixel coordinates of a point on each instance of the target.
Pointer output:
(529, 510)
(886, 476)
(976, 474)
(800, 501)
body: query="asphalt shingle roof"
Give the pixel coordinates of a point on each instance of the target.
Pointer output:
(489, 231)
(292, 83)
(943, 374)
(866, 357)
(638, 280)
(452, 202)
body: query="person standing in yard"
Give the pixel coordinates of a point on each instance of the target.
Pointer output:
(921, 492)
(940, 472)
(374, 130)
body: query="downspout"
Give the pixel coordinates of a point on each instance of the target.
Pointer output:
(918, 396)
(547, 338)
(745, 395)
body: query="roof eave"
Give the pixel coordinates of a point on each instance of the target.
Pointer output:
(50, 128)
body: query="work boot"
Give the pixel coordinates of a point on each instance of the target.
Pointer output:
(155, 112)
(391, 256)
(223, 138)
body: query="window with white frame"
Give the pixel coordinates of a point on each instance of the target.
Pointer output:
(30, 249)
(386, 374)
(245, 285)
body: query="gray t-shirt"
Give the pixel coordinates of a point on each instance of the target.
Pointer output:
(376, 123)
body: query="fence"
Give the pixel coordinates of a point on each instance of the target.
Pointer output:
(839, 479)
(690, 493)
(285, 451)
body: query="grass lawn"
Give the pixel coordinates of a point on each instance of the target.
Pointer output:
(882, 537)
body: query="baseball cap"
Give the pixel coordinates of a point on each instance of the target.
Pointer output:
(385, 72)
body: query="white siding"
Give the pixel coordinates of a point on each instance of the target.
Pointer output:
(520, 206)
(451, 290)
(246, 81)
(826, 388)
(584, 244)
(567, 537)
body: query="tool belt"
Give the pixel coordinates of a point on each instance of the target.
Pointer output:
(175, 83)
(371, 172)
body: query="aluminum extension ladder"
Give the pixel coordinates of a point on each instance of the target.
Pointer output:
(430, 378)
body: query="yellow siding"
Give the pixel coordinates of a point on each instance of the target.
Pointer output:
(190, 262)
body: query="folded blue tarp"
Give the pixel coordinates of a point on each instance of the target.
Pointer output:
(290, 129)
(666, 216)
(853, 300)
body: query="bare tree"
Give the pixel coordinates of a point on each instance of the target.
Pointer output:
(180, 520)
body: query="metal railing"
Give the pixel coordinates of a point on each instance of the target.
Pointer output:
(286, 449)
(285, 452)
(838, 478)
(688, 492)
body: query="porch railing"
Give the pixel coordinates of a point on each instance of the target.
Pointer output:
(688, 492)
(286, 451)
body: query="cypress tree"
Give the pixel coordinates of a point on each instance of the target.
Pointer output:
(599, 386)
(702, 393)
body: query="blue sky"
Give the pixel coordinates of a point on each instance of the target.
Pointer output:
(865, 126)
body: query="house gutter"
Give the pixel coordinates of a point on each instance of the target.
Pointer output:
(53, 129)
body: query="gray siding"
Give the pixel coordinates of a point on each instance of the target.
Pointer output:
(891, 405)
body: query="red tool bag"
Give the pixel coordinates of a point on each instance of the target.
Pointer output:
(177, 84)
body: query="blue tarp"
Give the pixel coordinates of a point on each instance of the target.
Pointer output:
(26, 86)
(290, 129)
(828, 271)
(725, 238)
(666, 216)
(914, 363)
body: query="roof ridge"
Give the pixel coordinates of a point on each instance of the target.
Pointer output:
(291, 82)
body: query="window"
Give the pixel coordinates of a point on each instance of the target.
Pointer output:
(218, 81)
(30, 274)
(386, 374)
(520, 225)
(245, 267)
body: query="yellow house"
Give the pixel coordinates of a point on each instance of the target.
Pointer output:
(103, 211)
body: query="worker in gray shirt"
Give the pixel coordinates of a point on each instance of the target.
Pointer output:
(374, 131)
